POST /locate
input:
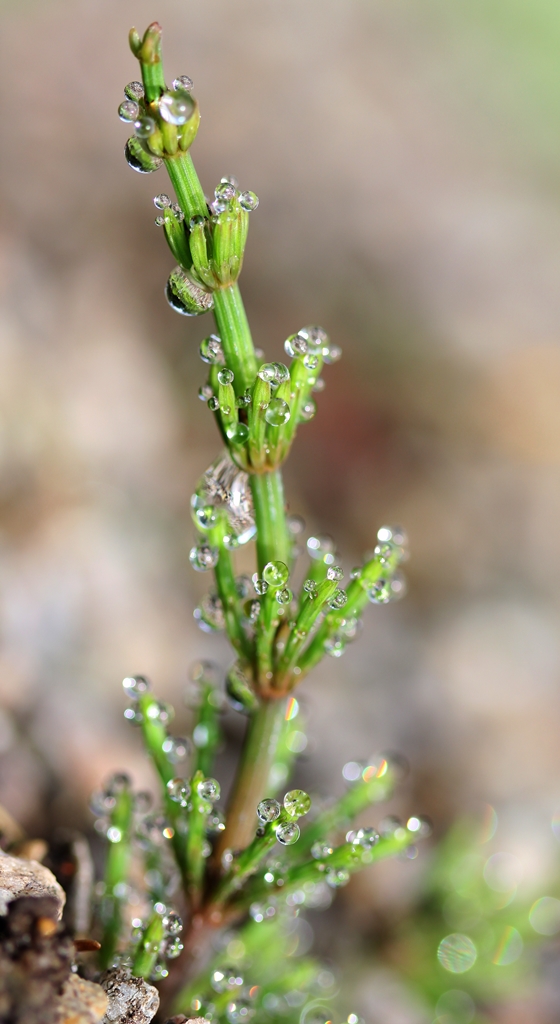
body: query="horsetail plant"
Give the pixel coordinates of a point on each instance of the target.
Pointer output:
(272, 854)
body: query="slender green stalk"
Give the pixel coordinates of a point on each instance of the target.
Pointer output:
(307, 617)
(206, 732)
(116, 873)
(148, 948)
(257, 756)
(273, 540)
(155, 734)
(227, 591)
(362, 794)
(198, 813)
(188, 189)
(247, 862)
(233, 328)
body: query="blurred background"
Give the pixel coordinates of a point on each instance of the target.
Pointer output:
(407, 160)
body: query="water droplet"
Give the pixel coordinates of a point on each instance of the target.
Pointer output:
(226, 979)
(356, 573)
(144, 127)
(281, 374)
(203, 557)
(160, 711)
(183, 83)
(350, 628)
(179, 791)
(338, 600)
(331, 353)
(206, 517)
(396, 534)
(213, 404)
(262, 911)
(244, 400)
(544, 916)
(277, 412)
(420, 826)
(380, 592)
(320, 850)
(205, 392)
(295, 346)
(238, 434)
(161, 201)
(296, 524)
(398, 586)
(288, 833)
(114, 834)
(159, 222)
(316, 339)
(239, 1011)
(209, 615)
(457, 953)
(267, 372)
(269, 810)
(308, 410)
(261, 586)
(147, 165)
(134, 686)
(366, 837)
(335, 646)
(134, 91)
(176, 107)
(225, 191)
(176, 209)
(248, 201)
(276, 573)
(129, 111)
(319, 385)
(337, 877)
(172, 923)
(310, 361)
(176, 748)
(334, 572)
(352, 771)
(173, 948)
(211, 350)
(284, 595)
(226, 376)
(142, 801)
(310, 588)
(209, 789)
(297, 803)
(185, 297)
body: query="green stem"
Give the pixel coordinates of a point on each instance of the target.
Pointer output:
(155, 734)
(148, 949)
(188, 189)
(198, 813)
(116, 872)
(234, 331)
(260, 745)
(273, 541)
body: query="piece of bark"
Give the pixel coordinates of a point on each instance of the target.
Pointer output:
(131, 1000)
(19, 878)
(36, 954)
(81, 1002)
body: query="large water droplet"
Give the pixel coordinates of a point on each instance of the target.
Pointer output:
(205, 392)
(248, 201)
(261, 586)
(129, 111)
(134, 686)
(307, 410)
(295, 346)
(337, 878)
(179, 791)
(269, 810)
(316, 339)
(147, 165)
(457, 953)
(335, 646)
(288, 833)
(226, 376)
(183, 83)
(366, 837)
(203, 557)
(145, 126)
(338, 600)
(224, 192)
(331, 353)
(380, 592)
(297, 803)
(176, 107)
(134, 91)
(161, 201)
(284, 595)
(276, 573)
(176, 748)
(211, 350)
(185, 297)
(334, 572)
(226, 979)
(209, 789)
(277, 412)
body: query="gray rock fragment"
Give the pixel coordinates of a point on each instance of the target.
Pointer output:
(131, 1000)
(20, 877)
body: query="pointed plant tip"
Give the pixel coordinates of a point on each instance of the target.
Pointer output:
(150, 52)
(134, 41)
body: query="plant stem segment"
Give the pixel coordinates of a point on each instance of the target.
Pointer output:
(187, 187)
(273, 541)
(259, 748)
(235, 333)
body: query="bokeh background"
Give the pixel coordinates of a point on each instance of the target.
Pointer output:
(407, 159)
